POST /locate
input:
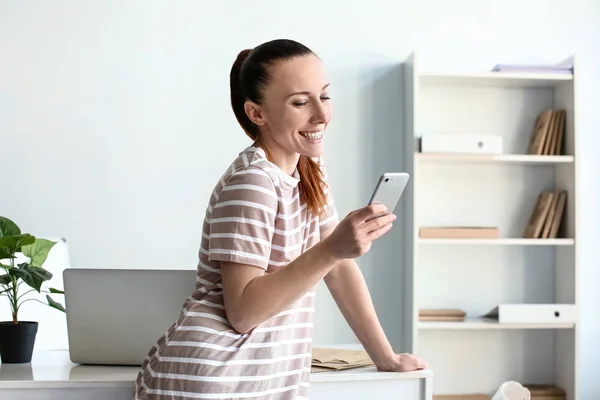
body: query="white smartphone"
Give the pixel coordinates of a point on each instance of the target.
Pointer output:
(389, 189)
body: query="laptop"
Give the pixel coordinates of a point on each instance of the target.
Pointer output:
(115, 316)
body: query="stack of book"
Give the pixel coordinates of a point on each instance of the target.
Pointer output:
(459, 232)
(546, 217)
(442, 314)
(548, 133)
(545, 392)
(541, 392)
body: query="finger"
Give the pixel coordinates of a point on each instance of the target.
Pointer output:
(371, 211)
(419, 362)
(378, 222)
(379, 232)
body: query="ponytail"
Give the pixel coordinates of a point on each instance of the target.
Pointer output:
(238, 95)
(247, 80)
(312, 184)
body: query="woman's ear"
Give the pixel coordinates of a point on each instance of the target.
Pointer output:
(254, 112)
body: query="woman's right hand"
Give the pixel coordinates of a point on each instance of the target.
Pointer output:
(353, 235)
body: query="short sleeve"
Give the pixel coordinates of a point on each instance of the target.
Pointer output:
(329, 218)
(242, 221)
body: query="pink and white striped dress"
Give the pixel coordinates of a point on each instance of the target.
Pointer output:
(255, 216)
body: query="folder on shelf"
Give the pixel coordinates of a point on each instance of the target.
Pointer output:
(533, 313)
(326, 359)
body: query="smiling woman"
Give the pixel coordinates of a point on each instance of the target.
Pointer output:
(271, 232)
(289, 116)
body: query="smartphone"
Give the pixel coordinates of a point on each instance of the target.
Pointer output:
(389, 189)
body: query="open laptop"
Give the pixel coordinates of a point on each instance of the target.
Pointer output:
(114, 316)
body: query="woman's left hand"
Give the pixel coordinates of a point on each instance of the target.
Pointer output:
(404, 362)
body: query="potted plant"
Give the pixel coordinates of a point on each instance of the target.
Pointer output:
(17, 338)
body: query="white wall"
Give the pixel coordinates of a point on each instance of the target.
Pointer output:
(115, 120)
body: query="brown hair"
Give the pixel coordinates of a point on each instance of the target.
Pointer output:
(248, 78)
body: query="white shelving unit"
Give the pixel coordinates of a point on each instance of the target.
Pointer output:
(475, 275)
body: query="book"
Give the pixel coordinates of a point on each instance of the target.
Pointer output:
(548, 133)
(545, 392)
(442, 314)
(459, 232)
(545, 219)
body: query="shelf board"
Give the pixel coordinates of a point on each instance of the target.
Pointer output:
(501, 241)
(487, 324)
(501, 79)
(495, 158)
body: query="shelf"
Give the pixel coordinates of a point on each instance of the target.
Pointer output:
(502, 79)
(492, 158)
(486, 324)
(482, 188)
(501, 242)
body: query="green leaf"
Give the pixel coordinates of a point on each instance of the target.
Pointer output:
(55, 304)
(38, 251)
(8, 228)
(57, 291)
(15, 242)
(32, 276)
(5, 254)
(5, 279)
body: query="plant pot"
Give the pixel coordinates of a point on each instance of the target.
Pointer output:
(17, 341)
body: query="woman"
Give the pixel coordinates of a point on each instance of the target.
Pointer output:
(270, 234)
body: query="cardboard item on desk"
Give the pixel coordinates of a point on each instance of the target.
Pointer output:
(325, 359)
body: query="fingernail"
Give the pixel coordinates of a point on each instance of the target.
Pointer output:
(395, 217)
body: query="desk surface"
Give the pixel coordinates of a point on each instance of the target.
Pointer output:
(54, 369)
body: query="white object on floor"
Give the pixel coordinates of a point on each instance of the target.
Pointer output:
(512, 390)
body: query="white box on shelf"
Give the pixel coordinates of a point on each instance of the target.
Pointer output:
(456, 144)
(533, 313)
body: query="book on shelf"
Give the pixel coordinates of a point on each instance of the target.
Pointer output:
(548, 133)
(545, 392)
(547, 215)
(442, 314)
(536, 391)
(459, 232)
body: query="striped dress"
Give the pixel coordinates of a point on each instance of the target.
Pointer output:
(255, 216)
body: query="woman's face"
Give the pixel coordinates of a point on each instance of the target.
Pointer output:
(296, 109)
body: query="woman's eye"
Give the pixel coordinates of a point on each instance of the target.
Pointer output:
(303, 103)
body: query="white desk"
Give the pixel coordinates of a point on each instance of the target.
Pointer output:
(52, 376)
